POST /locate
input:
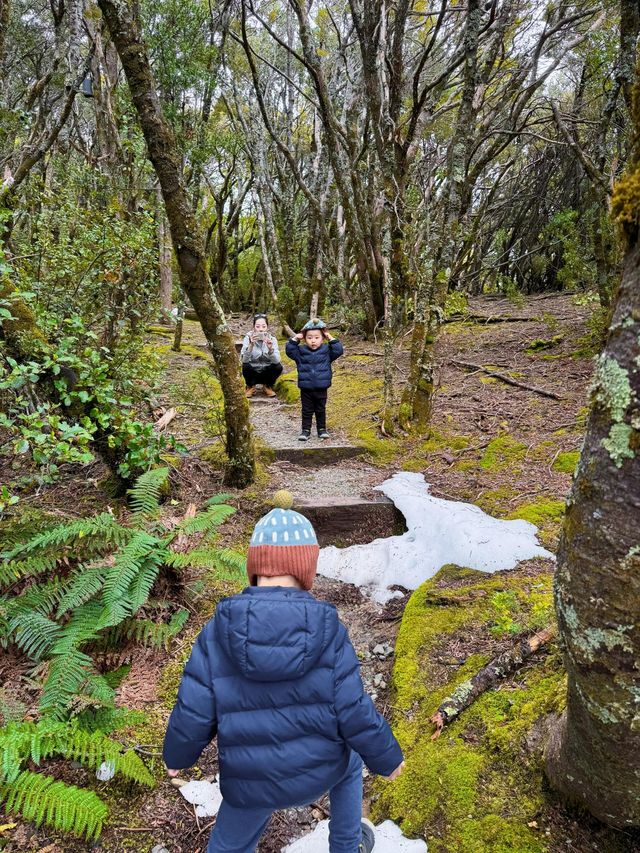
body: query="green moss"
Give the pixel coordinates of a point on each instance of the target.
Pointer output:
(502, 452)
(458, 791)
(544, 343)
(566, 461)
(539, 512)
(286, 388)
(496, 501)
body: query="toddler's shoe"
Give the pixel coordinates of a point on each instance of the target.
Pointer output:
(323, 434)
(368, 838)
(305, 435)
(269, 391)
(251, 391)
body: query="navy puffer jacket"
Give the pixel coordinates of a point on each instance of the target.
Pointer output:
(274, 674)
(314, 366)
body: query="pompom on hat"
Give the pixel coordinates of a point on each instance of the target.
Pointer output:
(283, 543)
(314, 323)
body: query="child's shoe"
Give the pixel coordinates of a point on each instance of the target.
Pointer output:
(305, 435)
(323, 434)
(250, 391)
(269, 391)
(368, 838)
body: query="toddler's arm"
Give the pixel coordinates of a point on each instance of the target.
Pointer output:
(335, 349)
(363, 728)
(192, 724)
(292, 349)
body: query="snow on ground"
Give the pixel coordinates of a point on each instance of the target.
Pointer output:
(438, 532)
(205, 796)
(389, 839)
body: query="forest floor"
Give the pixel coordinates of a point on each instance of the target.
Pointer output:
(508, 449)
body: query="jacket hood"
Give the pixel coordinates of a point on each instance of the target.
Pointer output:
(274, 633)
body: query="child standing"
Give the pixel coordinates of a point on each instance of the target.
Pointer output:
(314, 360)
(275, 676)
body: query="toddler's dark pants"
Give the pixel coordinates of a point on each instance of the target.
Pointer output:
(267, 376)
(239, 830)
(314, 401)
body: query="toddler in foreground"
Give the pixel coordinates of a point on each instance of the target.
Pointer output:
(275, 677)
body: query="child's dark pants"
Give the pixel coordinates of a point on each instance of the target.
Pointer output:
(239, 830)
(314, 401)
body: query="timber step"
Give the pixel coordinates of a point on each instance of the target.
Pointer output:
(350, 521)
(316, 454)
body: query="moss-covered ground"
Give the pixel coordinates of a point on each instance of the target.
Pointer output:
(479, 787)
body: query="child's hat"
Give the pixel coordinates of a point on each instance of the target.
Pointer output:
(314, 323)
(283, 543)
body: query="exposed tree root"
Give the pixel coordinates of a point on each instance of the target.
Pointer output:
(500, 667)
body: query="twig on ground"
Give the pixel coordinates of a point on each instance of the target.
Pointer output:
(500, 667)
(507, 379)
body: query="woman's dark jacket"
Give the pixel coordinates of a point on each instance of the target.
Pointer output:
(275, 676)
(314, 366)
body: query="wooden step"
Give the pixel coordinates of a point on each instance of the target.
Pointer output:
(350, 521)
(316, 454)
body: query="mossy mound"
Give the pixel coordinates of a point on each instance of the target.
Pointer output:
(479, 787)
(567, 461)
(502, 452)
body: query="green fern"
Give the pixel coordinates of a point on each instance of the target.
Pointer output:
(42, 799)
(205, 521)
(144, 496)
(150, 633)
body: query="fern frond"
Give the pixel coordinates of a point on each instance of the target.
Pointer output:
(102, 528)
(13, 570)
(33, 633)
(139, 590)
(145, 494)
(42, 799)
(205, 521)
(83, 584)
(218, 499)
(128, 562)
(67, 673)
(153, 634)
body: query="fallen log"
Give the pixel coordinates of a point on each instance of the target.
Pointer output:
(490, 318)
(542, 391)
(500, 667)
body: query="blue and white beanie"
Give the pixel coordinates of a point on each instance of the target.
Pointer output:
(283, 543)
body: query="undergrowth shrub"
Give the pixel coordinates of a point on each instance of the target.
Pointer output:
(69, 595)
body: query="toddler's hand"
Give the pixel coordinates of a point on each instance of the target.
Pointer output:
(172, 773)
(396, 772)
(299, 336)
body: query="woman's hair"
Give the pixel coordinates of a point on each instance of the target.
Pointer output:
(257, 317)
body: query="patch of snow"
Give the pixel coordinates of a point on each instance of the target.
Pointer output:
(438, 532)
(389, 839)
(205, 796)
(106, 771)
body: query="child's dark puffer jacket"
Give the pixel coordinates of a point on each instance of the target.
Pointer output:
(314, 366)
(274, 674)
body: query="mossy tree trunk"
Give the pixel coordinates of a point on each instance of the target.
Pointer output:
(594, 754)
(188, 239)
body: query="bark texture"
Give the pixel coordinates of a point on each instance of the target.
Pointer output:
(594, 754)
(188, 240)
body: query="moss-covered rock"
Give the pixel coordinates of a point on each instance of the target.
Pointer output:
(479, 787)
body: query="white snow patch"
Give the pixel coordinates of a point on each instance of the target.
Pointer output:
(438, 532)
(205, 796)
(389, 839)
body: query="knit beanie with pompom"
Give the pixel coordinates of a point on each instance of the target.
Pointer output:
(283, 543)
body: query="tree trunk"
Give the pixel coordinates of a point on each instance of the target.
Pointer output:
(164, 260)
(5, 16)
(188, 240)
(417, 399)
(594, 754)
